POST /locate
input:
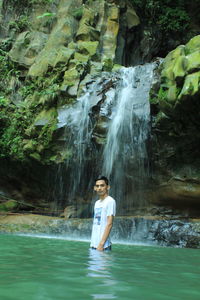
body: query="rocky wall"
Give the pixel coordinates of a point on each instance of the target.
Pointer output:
(175, 110)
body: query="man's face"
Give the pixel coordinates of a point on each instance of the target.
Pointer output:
(101, 188)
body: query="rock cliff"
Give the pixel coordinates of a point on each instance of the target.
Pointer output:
(51, 49)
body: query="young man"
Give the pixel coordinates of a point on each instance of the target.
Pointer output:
(104, 212)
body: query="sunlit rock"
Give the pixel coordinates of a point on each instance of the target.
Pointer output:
(27, 46)
(191, 86)
(86, 31)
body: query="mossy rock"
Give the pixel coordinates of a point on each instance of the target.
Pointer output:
(116, 67)
(172, 94)
(173, 55)
(27, 46)
(167, 74)
(193, 61)
(107, 64)
(132, 18)
(191, 86)
(81, 58)
(63, 56)
(29, 146)
(45, 117)
(36, 156)
(193, 45)
(166, 107)
(9, 205)
(85, 25)
(88, 47)
(180, 67)
(95, 68)
(71, 79)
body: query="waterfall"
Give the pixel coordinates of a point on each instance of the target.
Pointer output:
(125, 155)
(107, 132)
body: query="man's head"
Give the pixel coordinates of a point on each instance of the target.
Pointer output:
(102, 186)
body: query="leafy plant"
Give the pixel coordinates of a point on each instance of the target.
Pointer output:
(20, 24)
(169, 15)
(46, 14)
(77, 13)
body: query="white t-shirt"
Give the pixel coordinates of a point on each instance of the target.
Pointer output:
(102, 209)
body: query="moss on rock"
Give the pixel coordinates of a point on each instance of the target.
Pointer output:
(9, 205)
(176, 84)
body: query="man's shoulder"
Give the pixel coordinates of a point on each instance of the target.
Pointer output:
(110, 199)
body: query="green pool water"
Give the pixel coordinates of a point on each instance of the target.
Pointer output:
(50, 269)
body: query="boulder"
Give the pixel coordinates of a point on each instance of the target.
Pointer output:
(27, 46)
(193, 44)
(193, 61)
(190, 87)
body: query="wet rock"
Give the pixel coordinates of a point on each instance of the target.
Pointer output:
(180, 191)
(69, 212)
(146, 230)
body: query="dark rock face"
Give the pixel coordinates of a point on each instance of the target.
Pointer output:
(175, 130)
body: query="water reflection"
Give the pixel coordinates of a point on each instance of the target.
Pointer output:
(100, 268)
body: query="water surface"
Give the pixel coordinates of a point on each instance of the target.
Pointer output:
(37, 268)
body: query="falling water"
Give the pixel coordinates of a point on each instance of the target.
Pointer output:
(120, 98)
(125, 155)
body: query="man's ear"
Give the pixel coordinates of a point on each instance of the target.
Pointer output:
(108, 187)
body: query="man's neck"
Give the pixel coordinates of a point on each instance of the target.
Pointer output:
(103, 197)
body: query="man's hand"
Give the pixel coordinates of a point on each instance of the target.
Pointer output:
(100, 248)
(106, 233)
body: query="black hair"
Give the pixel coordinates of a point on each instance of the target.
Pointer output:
(102, 178)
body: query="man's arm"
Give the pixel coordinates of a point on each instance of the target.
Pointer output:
(106, 232)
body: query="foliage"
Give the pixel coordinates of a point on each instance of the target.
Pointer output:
(41, 1)
(77, 13)
(20, 24)
(19, 138)
(46, 14)
(169, 15)
(7, 70)
(30, 2)
(15, 121)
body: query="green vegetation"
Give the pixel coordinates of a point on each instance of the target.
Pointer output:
(78, 13)
(20, 137)
(20, 24)
(46, 14)
(16, 120)
(13, 121)
(30, 2)
(171, 16)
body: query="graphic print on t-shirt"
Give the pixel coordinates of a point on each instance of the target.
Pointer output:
(97, 216)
